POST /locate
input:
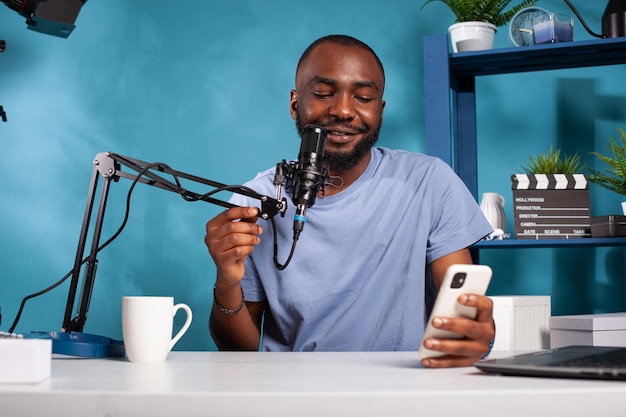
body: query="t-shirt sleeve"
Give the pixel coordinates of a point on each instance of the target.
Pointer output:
(457, 221)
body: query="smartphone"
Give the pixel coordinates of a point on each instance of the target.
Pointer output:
(459, 279)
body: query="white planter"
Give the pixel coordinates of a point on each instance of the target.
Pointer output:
(472, 36)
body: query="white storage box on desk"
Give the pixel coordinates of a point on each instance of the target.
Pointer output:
(522, 322)
(24, 361)
(588, 330)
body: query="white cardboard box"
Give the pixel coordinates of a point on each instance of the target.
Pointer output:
(522, 322)
(25, 361)
(588, 330)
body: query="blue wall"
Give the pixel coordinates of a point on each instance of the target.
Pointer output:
(205, 88)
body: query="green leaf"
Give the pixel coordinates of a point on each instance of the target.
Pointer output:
(491, 11)
(613, 177)
(553, 163)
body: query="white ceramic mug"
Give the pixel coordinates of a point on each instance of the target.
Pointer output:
(147, 325)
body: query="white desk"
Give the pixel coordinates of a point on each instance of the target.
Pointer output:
(299, 384)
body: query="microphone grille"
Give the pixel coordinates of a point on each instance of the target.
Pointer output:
(313, 140)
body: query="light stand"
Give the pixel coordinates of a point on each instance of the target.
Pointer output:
(71, 340)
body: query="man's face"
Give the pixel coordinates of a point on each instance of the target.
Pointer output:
(340, 88)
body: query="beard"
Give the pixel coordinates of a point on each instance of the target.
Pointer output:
(344, 160)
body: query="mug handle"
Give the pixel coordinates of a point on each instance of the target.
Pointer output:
(183, 329)
(501, 198)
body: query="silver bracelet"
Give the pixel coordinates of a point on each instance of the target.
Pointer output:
(229, 311)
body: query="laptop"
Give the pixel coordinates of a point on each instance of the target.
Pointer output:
(589, 362)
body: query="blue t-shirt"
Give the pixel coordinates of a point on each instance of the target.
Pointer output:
(357, 280)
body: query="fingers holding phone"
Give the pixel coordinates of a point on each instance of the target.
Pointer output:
(461, 311)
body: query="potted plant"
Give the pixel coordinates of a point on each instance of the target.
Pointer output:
(476, 21)
(553, 162)
(551, 198)
(613, 177)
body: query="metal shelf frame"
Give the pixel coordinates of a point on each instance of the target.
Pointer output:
(450, 103)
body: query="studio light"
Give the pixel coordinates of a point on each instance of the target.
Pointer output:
(52, 17)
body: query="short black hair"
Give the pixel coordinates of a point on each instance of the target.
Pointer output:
(343, 40)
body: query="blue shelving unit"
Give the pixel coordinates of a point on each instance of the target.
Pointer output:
(450, 103)
(551, 243)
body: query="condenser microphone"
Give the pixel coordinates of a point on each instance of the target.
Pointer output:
(309, 173)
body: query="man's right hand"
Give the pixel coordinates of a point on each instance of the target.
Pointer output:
(230, 237)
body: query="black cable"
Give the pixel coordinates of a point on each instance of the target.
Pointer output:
(224, 188)
(37, 294)
(280, 266)
(603, 36)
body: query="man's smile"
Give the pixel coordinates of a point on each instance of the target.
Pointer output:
(341, 135)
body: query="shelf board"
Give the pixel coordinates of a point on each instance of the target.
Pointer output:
(550, 243)
(540, 57)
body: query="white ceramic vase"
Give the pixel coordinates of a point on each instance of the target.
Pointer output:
(472, 36)
(492, 206)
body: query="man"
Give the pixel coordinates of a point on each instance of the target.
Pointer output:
(376, 242)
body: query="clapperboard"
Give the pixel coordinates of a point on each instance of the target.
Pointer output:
(551, 206)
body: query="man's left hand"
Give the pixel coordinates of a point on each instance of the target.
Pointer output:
(478, 335)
